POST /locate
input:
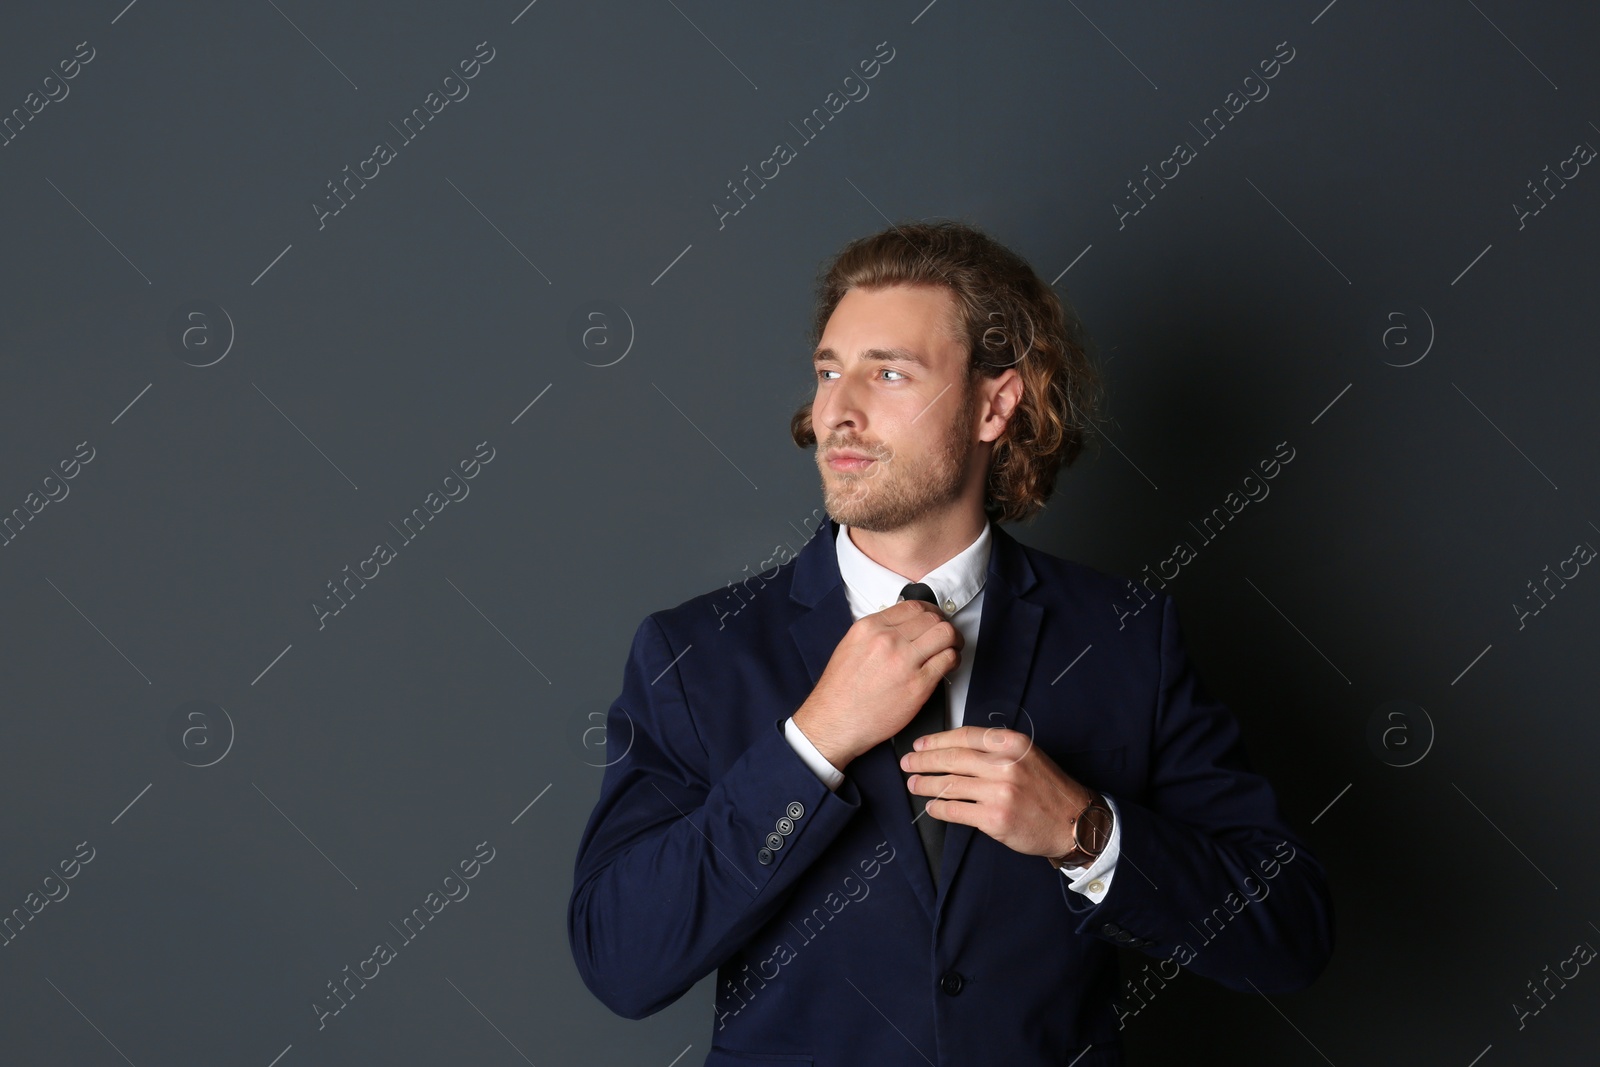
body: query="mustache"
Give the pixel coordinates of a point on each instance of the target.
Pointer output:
(875, 451)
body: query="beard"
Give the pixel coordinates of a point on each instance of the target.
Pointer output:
(896, 491)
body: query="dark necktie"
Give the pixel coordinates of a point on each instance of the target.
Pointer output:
(934, 717)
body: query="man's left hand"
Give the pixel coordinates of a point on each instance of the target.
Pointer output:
(996, 780)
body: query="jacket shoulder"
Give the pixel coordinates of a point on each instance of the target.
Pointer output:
(755, 603)
(1095, 595)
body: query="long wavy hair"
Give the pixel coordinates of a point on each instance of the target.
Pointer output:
(1010, 318)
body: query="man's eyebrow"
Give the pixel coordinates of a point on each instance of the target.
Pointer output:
(888, 355)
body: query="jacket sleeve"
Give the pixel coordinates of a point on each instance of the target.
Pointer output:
(674, 870)
(1209, 873)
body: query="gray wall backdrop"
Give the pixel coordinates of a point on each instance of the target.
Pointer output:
(223, 385)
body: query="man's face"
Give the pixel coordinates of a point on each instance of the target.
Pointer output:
(892, 386)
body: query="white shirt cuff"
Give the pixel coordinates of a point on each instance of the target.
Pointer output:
(1094, 881)
(831, 776)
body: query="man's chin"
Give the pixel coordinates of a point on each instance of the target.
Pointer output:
(856, 515)
(845, 513)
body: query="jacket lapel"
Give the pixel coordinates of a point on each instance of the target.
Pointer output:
(1008, 631)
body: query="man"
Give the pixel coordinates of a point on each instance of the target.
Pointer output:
(907, 799)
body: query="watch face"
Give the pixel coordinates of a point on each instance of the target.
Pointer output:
(1096, 826)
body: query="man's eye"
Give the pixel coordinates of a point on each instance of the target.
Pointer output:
(887, 370)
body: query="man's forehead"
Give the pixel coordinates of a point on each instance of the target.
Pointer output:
(884, 355)
(932, 331)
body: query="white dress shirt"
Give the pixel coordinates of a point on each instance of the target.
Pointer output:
(958, 583)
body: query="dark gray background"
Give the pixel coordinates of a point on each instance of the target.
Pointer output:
(1247, 304)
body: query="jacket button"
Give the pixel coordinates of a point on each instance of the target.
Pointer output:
(786, 826)
(796, 809)
(1111, 929)
(951, 983)
(765, 856)
(774, 841)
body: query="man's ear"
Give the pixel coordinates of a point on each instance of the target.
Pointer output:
(1001, 397)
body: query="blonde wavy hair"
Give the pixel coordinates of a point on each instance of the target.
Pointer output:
(1010, 318)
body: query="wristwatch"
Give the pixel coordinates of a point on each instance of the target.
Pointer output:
(1091, 832)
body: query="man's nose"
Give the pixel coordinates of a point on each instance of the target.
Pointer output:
(839, 403)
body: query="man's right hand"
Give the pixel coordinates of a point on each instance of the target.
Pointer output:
(878, 678)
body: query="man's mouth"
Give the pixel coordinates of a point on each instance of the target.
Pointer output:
(844, 460)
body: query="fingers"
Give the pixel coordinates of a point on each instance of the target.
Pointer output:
(914, 624)
(901, 612)
(936, 666)
(969, 750)
(968, 761)
(914, 618)
(986, 738)
(950, 786)
(935, 638)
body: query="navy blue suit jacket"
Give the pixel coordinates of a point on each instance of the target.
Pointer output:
(713, 847)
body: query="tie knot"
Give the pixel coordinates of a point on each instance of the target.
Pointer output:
(919, 591)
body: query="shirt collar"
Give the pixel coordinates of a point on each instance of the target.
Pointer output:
(871, 587)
